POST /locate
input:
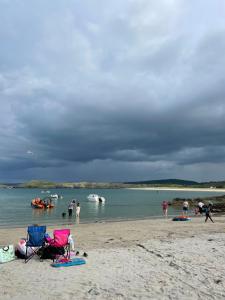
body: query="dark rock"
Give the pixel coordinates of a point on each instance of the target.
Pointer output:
(217, 201)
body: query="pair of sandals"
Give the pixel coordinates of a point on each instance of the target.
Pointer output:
(84, 254)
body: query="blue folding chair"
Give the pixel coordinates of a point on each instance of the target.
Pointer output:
(35, 240)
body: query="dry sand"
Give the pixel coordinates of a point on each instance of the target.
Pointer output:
(149, 259)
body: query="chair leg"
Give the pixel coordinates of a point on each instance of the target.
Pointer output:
(26, 256)
(41, 253)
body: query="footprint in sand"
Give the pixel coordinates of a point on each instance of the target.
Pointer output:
(109, 240)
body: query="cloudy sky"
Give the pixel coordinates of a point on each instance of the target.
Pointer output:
(97, 90)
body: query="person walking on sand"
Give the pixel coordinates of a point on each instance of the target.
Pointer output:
(78, 210)
(165, 208)
(185, 208)
(208, 213)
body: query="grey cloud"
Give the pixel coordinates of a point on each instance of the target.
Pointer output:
(129, 90)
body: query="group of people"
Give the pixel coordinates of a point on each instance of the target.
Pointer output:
(47, 202)
(203, 208)
(42, 203)
(200, 209)
(73, 205)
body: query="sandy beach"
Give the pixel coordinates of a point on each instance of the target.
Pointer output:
(149, 259)
(184, 189)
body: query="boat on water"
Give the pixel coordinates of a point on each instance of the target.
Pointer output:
(41, 204)
(96, 198)
(54, 196)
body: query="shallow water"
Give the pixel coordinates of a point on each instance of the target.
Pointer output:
(15, 208)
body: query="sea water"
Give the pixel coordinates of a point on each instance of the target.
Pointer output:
(121, 204)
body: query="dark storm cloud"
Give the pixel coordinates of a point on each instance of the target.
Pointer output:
(134, 90)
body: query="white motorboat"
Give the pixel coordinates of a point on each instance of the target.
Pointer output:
(96, 198)
(54, 196)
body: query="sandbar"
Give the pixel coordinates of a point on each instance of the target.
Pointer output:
(185, 189)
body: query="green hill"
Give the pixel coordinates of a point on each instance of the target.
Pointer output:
(104, 185)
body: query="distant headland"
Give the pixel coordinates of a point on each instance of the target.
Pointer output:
(154, 184)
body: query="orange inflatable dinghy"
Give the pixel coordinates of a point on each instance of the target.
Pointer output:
(38, 203)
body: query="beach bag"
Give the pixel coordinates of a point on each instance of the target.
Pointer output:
(71, 242)
(21, 249)
(7, 254)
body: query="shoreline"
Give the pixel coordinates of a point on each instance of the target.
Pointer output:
(13, 234)
(152, 218)
(178, 189)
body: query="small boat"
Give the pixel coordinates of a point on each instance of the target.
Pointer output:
(41, 204)
(54, 196)
(96, 198)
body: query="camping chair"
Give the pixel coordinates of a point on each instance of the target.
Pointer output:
(61, 240)
(35, 240)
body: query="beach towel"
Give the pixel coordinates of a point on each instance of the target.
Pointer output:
(72, 262)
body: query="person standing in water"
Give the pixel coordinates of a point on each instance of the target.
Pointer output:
(165, 208)
(71, 207)
(78, 210)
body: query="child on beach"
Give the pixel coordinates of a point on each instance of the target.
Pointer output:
(165, 208)
(78, 210)
(185, 208)
(196, 211)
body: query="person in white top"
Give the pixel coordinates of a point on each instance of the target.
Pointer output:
(200, 206)
(71, 206)
(185, 207)
(78, 210)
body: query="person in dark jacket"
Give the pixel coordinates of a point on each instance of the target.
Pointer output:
(71, 207)
(208, 213)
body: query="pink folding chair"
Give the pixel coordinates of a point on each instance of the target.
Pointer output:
(61, 239)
